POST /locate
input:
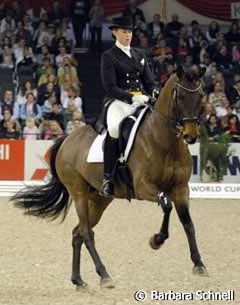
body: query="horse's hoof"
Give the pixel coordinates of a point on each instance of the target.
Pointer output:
(152, 243)
(200, 270)
(107, 283)
(83, 287)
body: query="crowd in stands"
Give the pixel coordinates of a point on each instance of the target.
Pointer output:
(47, 101)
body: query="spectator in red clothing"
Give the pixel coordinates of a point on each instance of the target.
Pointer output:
(233, 128)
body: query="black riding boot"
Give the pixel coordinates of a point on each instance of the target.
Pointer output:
(110, 159)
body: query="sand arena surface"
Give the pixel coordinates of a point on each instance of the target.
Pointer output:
(35, 255)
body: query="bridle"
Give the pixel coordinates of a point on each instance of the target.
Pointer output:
(179, 120)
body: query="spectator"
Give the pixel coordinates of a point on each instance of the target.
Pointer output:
(216, 96)
(73, 95)
(45, 90)
(172, 31)
(233, 128)
(56, 114)
(16, 11)
(56, 14)
(155, 27)
(54, 131)
(10, 132)
(132, 11)
(79, 13)
(96, 19)
(6, 58)
(22, 33)
(48, 104)
(8, 102)
(45, 53)
(68, 112)
(59, 59)
(221, 109)
(27, 87)
(233, 35)
(223, 59)
(212, 32)
(68, 33)
(30, 109)
(70, 70)
(234, 94)
(30, 130)
(224, 119)
(7, 117)
(208, 110)
(213, 128)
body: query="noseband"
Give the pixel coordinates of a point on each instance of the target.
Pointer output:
(181, 121)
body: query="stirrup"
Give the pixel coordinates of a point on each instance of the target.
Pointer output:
(107, 188)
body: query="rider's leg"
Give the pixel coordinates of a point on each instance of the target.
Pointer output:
(117, 111)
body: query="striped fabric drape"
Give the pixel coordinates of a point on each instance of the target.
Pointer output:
(218, 9)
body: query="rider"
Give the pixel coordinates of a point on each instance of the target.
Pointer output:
(128, 82)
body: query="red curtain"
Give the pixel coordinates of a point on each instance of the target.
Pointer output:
(218, 9)
(111, 7)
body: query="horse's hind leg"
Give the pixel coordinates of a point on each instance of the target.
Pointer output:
(77, 242)
(89, 213)
(158, 239)
(185, 218)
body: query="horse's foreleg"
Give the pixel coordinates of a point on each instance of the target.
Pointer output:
(158, 239)
(77, 242)
(185, 218)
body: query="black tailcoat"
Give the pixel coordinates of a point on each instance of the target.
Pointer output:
(121, 74)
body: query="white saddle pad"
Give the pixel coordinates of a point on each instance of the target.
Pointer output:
(95, 154)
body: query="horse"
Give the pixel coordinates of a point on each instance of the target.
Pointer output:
(160, 163)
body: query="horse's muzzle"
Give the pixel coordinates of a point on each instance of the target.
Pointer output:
(190, 139)
(190, 132)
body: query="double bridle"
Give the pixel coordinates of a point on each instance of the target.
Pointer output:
(180, 121)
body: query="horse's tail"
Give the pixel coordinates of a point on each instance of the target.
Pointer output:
(48, 200)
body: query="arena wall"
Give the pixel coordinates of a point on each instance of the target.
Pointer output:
(25, 161)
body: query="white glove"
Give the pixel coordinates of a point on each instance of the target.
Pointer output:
(140, 99)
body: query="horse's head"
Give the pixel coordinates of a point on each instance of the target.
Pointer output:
(187, 96)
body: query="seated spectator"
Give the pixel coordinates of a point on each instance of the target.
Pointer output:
(8, 102)
(182, 51)
(216, 96)
(213, 128)
(233, 35)
(26, 65)
(224, 119)
(172, 31)
(6, 58)
(59, 59)
(208, 110)
(22, 33)
(68, 112)
(221, 109)
(54, 131)
(10, 132)
(45, 53)
(67, 69)
(41, 36)
(30, 109)
(56, 114)
(27, 23)
(132, 11)
(44, 71)
(194, 45)
(43, 126)
(56, 14)
(234, 95)
(26, 88)
(233, 128)
(155, 27)
(30, 130)
(6, 118)
(223, 59)
(212, 32)
(68, 33)
(48, 104)
(73, 95)
(45, 90)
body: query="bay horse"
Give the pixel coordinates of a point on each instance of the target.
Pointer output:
(160, 164)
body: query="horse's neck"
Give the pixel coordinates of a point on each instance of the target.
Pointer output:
(164, 104)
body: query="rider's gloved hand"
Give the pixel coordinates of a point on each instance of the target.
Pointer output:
(140, 99)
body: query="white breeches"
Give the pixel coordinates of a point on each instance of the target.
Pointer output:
(117, 111)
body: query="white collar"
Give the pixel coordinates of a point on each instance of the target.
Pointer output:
(126, 50)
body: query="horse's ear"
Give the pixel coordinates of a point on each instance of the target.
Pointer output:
(202, 71)
(180, 72)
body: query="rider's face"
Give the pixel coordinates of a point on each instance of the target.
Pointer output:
(124, 36)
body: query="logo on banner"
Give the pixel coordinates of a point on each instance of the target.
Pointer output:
(41, 173)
